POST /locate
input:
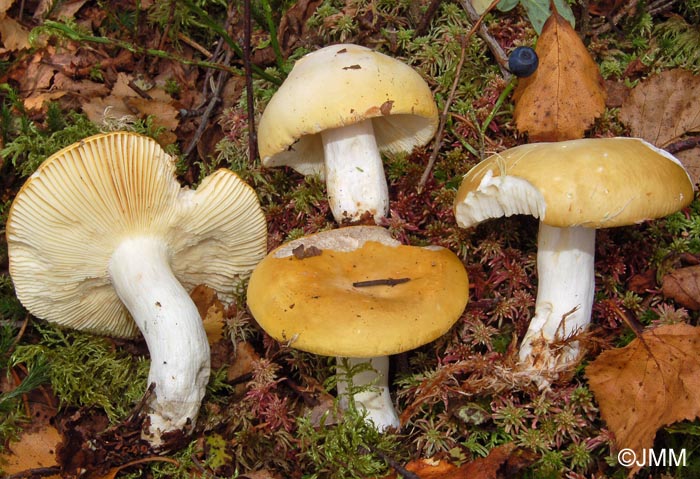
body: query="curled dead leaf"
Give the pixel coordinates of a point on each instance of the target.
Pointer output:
(488, 467)
(211, 310)
(683, 286)
(566, 93)
(648, 384)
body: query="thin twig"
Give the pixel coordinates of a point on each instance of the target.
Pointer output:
(653, 8)
(427, 18)
(215, 98)
(437, 142)
(483, 32)
(36, 472)
(380, 282)
(393, 463)
(682, 145)
(498, 53)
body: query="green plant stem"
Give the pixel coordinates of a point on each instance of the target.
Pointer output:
(272, 29)
(497, 106)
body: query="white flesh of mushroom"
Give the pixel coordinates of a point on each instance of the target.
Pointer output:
(375, 398)
(565, 270)
(354, 173)
(169, 321)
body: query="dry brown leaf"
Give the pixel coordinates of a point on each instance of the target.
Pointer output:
(35, 101)
(38, 75)
(565, 94)
(650, 383)
(14, 35)
(164, 114)
(124, 103)
(86, 88)
(107, 109)
(691, 161)
(211, 310)
(244, 363)
(664, 107)
(683, 286)
(66, 9)
(5, 5)
(481, 468)
(32, 451)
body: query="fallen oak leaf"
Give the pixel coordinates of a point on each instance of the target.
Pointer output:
(566, 93)
(648, 384)
(683, 286)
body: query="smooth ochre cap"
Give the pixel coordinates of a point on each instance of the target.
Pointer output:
(73, 212)
(595, 183)
(338, 86)
(314, 293)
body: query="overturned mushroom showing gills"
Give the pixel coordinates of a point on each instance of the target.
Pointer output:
(337, 110)
(102, 238)
(573, 187)
(357, 293)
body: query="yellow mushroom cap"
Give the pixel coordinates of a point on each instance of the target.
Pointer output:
(308, 292)
(594, 183)
(75, 210)
(342, 85)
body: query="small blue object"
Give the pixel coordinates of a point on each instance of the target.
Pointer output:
(523, 62)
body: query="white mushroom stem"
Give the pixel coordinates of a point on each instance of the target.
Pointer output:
(566, 285)
(374, 397)
(140, 272)
(354, 173)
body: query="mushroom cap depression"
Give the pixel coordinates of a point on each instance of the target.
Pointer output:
(308, 292)
(594, 183)
(342, 85)
(73, 212)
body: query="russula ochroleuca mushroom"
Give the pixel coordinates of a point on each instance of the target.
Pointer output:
(573, 187)
(337, 110)
(359, 294)
(102, 238)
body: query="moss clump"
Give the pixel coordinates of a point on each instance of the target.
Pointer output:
(351, 448)
(85, 370)
(28, 143)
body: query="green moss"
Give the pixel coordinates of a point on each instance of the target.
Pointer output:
(12, 415)
(85, 370)
(350, 449)
(27, 143)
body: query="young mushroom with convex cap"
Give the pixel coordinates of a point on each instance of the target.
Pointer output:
(102, 238)
(573, 187)
(337, 110)
(359, 294)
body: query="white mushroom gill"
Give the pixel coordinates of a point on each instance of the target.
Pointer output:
(498, 196)
(169, 321)
(369, 389)
(354, 173)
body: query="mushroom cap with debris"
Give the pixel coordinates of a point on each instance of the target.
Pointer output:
(338, 86)
(357, 292)
(84, 200)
